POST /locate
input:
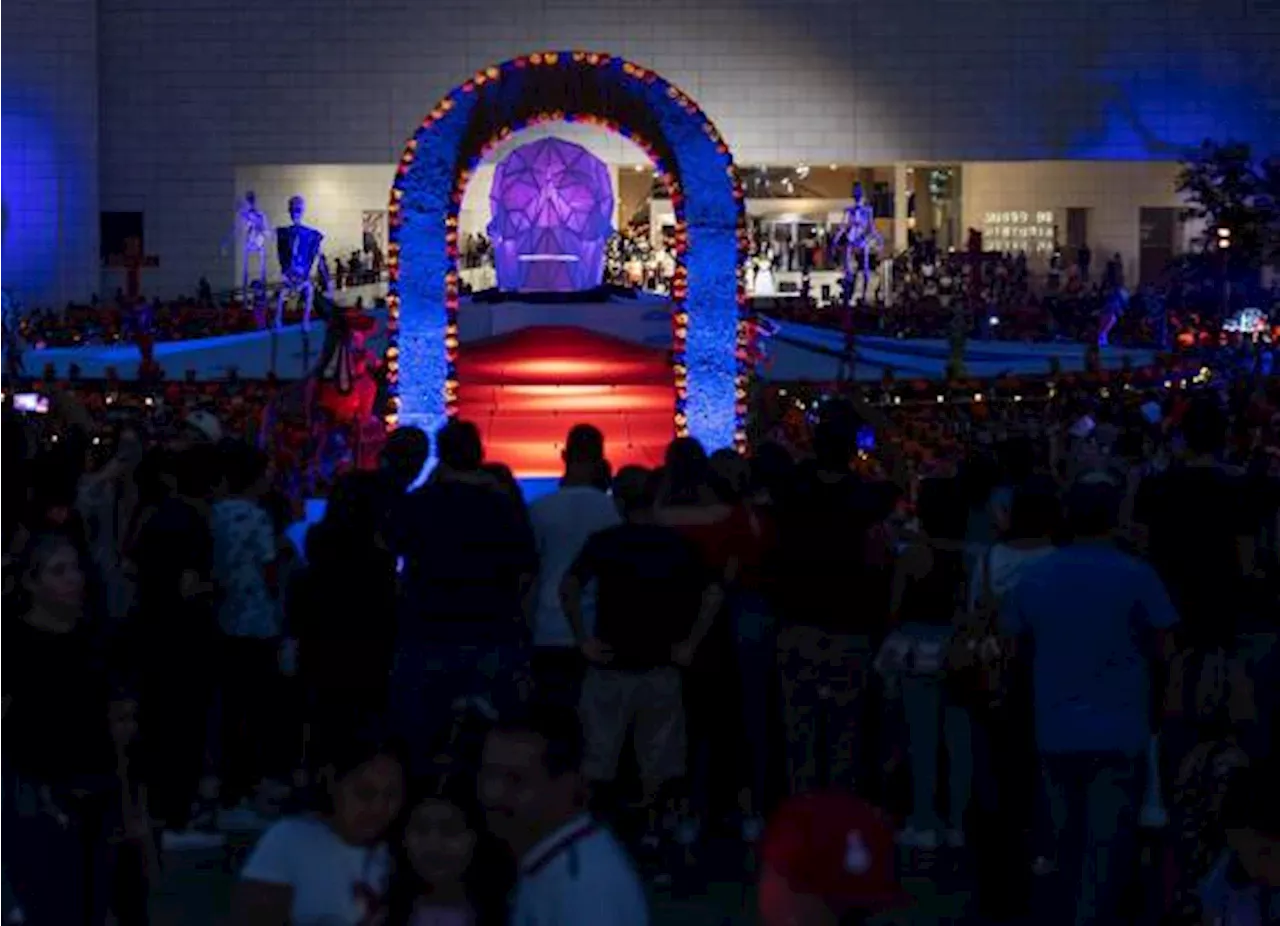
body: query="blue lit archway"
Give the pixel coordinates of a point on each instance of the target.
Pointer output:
(709, 340)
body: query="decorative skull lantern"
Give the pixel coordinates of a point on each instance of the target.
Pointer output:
(552, 207)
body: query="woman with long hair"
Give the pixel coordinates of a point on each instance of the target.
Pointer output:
(927, 596)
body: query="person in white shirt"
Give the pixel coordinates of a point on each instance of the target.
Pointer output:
(572, 871)
(562, 522)
(328, 869)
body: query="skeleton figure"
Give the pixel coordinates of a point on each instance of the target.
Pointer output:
(857, 237)
(298, 247)
(254, 221)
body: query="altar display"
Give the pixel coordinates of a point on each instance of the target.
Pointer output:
(552, 204)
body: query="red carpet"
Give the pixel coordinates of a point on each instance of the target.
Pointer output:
(525, 390)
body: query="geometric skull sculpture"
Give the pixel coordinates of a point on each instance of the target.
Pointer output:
(552, 215)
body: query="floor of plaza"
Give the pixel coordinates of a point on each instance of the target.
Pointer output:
(197, 886)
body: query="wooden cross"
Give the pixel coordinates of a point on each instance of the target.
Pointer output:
(133, 262)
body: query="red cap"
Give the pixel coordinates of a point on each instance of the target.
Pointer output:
(831, 846)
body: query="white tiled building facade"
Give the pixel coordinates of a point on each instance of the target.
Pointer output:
(49, 177)
(166, 107)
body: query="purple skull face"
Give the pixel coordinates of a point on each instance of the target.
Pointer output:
(297, 209)
(552, 206)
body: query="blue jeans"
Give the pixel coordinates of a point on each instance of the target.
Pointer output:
(930, 721)
(1093, 801)
(428, 678)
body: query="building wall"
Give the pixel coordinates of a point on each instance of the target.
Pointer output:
(1112, 191)
(49, 162)
(193, 90)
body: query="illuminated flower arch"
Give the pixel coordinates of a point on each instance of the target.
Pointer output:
(710, 344)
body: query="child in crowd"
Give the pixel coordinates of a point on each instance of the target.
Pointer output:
(331, 866)
(1243, 888)
(444, 875)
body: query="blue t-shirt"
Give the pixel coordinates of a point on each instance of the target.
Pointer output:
(1089, 611)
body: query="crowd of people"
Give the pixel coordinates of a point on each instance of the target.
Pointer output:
(932, 291)
(1027, 318)
(309, 446)
(1061, 631)
(997, 297)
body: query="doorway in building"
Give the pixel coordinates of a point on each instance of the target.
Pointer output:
(1157, 242)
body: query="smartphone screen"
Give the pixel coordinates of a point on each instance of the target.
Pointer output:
(32, 403)
(866, 438)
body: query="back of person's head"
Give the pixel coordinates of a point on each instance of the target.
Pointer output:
(602, 475)
(1204, 426)
(405, 454)
(773, 470)
(835, 436)
(729, 475)
(358, 504)
(1093, 506)
(197, 470)
(1036, 510)
(980, 473)
(242, 465)
(149, 477)
(688, 470)
(633, 490)
(459, 446)
(505, 480)
(584, 446)
(941, 507)
(1017, 459)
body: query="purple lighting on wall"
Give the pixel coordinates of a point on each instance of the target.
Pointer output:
(552, 207)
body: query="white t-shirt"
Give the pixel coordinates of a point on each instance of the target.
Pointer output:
(562, 522)
(334, 884)
(579, 876)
